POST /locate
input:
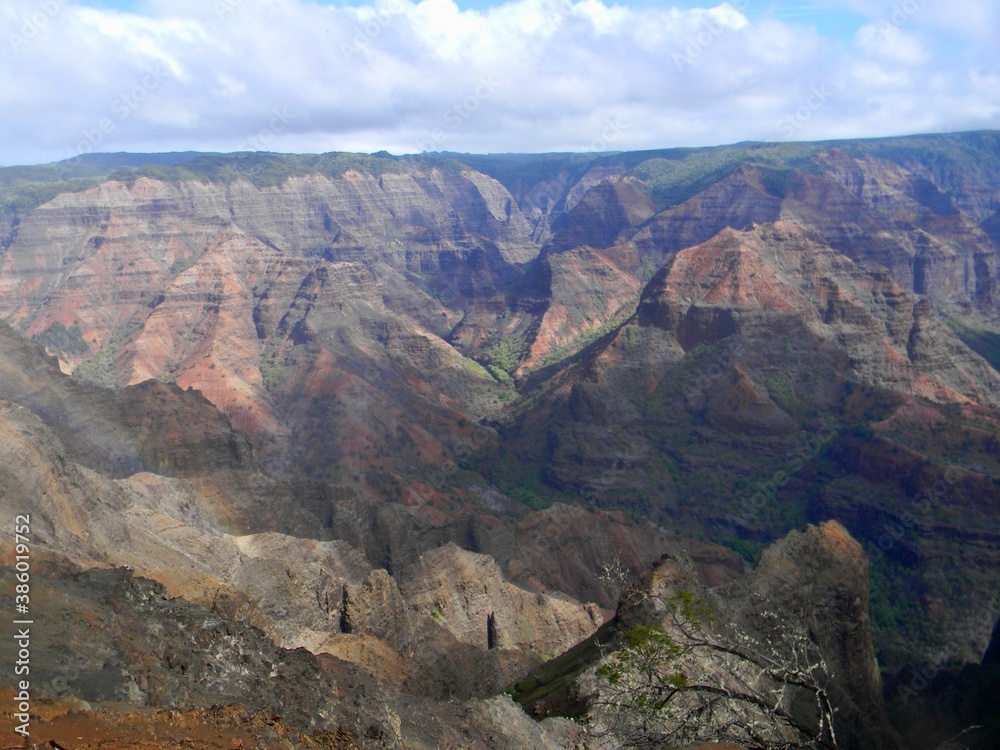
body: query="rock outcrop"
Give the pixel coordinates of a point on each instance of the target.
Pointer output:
(819, 578)
(888, 336)
(469, 596)
(803, 608)
(404, 412)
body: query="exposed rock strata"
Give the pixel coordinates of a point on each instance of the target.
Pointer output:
(813, 583)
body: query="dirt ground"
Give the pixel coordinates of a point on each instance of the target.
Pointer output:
(74, 726)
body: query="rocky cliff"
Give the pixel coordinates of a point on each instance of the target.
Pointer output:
(415, 414)
(802, 609)
(746, 352)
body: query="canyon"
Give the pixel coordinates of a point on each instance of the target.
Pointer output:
(365, 441)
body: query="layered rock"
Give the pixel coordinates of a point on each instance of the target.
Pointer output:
(803, 608)
(736, 201)
(788, 363)
(888, 336)
(905, 223)
(232, 288)
(819, 577)
(602, 215)
(468, 594)
(148, 427)
(762, 354)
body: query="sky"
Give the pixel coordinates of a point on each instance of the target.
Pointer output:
(486, 76)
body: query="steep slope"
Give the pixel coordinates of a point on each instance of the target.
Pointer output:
(936, 702)
(339, 366)
(299, 593)
(220, 270)
(775, 269)
(112, 640)
(148, 427)
(901, 215)
(205, 530)
(737, 201)
(254, 295)
(800, 613)
(763, 381)
(602, 214)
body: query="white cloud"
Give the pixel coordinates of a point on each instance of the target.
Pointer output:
(885, 40)
(528, 75)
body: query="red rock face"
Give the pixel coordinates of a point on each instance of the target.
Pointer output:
(736, 201)
(602, 215)
(256, 297)
(888, 336)
(741, 348)
(402, 352)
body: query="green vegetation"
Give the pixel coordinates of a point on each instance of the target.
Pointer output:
(25, 188)
(264, 169)
(647, 269)
(982, 340)
(180, 265)
(779, 182)
(170, 368)
(672, 175)
(745, 548)
(500, 375)
(23, 197)
(503, 355)
(63, 341)
(531, 497)
(100, 369)
(587, 338)
(650, 694)
(475, 368)
(557, 674)
(272, 375)
(954, 159)
(517, 478)
(518, 170)
(896, 614)
(679, 174)
(271, 170)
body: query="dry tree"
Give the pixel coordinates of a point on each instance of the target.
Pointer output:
(678, 682)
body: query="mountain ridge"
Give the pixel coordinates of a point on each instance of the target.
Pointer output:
(411, 377)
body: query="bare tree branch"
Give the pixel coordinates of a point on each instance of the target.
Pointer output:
(676, 682)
